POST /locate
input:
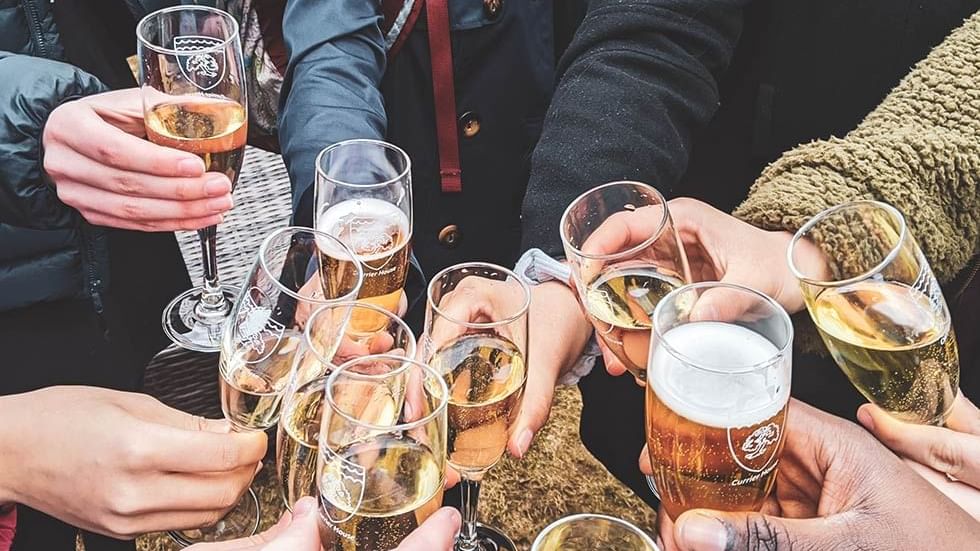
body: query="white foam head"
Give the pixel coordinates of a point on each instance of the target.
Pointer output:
(718, 391)
(365, 225)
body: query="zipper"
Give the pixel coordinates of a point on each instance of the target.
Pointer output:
(31, 9)
(974, 268)
(93, 284)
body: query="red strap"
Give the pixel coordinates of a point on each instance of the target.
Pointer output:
(444, 94)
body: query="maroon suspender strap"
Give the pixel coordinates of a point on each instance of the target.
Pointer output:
(444, 94)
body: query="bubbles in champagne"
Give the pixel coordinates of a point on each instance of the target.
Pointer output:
(251, 391)
(296, 442)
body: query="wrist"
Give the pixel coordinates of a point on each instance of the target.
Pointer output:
(10, 426)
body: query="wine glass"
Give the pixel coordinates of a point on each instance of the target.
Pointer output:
(589, 532)
(476, 325)
(879, 309)
(364, 198)
(260, 344)
(382, 452)
(716, 398)
(299, 424)
(192, 79)
(625, 255)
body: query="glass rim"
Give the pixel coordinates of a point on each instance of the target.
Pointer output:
(569, 519)
(522, 311)
(406, 364)
(292, 230)
(233, 35)
(781, 351)
(813, 221)
(308, 339)
(321, 174)
(628, 252)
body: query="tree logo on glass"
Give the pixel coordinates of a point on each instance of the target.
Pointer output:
(341, 486)
(204, 66)
(256, 330)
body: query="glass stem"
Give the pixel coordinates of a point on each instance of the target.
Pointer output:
(471, 497)
(211, 297)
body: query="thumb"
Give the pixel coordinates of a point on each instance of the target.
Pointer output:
(303, 533)
(724, 303)
(437, 533)
(704, 530)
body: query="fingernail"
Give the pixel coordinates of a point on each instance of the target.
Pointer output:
(217, 185)
(524, 441)
(699, 532)
(707, 312)
(448, 514)
(258, 468)
(190, 167)
(221, 204)
(304, 507)
(865, 418)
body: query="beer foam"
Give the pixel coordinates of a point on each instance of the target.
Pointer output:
(366, 225)
(719, 396)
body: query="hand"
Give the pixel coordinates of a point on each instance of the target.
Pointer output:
(119, 463)
(294, 532)
(95, 153)
(437, 533)
(837, 488)
(559, 332)
(720, 247)
(935, 452)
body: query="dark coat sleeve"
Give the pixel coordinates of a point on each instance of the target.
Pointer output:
(30, 89)
(638, 80)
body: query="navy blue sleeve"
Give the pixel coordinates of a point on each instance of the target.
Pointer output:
(331, 91)
(637, 82)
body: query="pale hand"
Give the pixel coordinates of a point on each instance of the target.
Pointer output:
(836, 488)
(935, 452)
(121, 464)
(96, 154)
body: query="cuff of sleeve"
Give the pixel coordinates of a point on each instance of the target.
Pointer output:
(583, 366)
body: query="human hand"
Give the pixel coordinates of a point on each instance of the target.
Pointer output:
(121, 464)
(96, 154)
(935, 452)
(836, 488)
(298, 531)
(437, 533)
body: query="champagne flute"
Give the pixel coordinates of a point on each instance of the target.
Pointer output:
(880, 310)
(476, 325)
(589, 532)
(299, 424)
(625, 255)
(194, 99)
(260, 344)
(382, 452)
(716, 399)
(364, 198)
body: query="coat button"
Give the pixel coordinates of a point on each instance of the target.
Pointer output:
(469, 123)
(449, 236)
(492, 8)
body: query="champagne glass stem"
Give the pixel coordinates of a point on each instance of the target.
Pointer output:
(212, 298)
(467, 540)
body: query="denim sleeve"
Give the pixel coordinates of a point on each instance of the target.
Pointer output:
(331, 91)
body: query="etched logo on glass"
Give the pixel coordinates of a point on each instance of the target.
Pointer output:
(255, 329)
(205, 67)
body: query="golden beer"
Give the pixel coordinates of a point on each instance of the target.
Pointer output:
(894, 343)
(715, 434)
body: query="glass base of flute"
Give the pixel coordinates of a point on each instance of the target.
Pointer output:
(241, 521)
(195, 319)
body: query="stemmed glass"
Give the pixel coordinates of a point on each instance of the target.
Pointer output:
(625, 255)
(589, 532)
(382, 452)
(476, 326)
(879, 309)
(364, 198)
(194, 99)
(716, 398)
(299, 424)
(260, 343)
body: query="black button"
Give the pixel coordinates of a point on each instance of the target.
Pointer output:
(492, 8)
(449, 236)
(469, 124)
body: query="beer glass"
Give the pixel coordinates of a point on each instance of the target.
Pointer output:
(260, 343)
(716, 398)
(476, 327)
(625, 255)
(382, 452)
(879, 309)
(299, 424)
(364, 198)
(590, 532)
(194, 99)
